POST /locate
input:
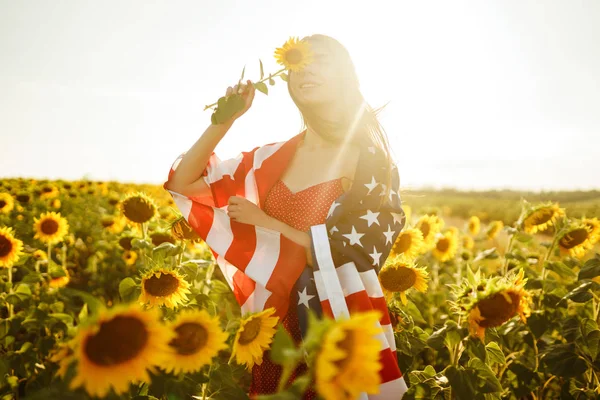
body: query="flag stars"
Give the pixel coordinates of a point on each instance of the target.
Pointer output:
(372, 185)
(375, 256)
(354, 237)
(389, 235)
(334, 205)
(304, 298)
(371, 217)
(398, 217)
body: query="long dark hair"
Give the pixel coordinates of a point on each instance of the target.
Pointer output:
(356, 118)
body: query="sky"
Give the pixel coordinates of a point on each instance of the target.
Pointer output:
(482, 94)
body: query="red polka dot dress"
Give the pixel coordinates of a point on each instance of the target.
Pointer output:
(299, 210)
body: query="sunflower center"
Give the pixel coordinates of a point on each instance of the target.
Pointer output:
(46, 190)
(251, 331)
(443, 245)
(161, 286)
(125, 242)
(574, 238)
(398, 279)
(540, 217)
(160, 238)
(137, 209)
(425, 228)
(293, 56)
(347, 344)
(117, 341)
(403, 243)
(23, 198)
(497, 309)
(107, 223)
(191, 338)
(5, 246)
(49, 226)
(2, 203)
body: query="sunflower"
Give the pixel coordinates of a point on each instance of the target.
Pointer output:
(159, 238)
(138, 208)
(253, 337)
(61, 281)
(10, 247)
(493, 229)
(347, 362)
(118, 348)
(114, 224)
(50, 228)
(468, 242)
(576, 239)
(164, 287)
(445, 246)
(63, 356)
(294, 55)
(538, 218)
(40, 255)
(48, 191)
(429, 225)
(23, 197)
(399, 274)
(474, 225)
(199, 339)
(130, 257)
(55, 203)
(491, 302)
(180, 229)
(125, 242)
(409, 243)
(7, 203)
(594, 224)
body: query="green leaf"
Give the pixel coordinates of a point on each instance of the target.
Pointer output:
(141, 243)
(126, 288)
(563, 360)
(271, 81)
(580, 294)
(590, 269)
(92, 302)
(23, 289)
(262, 87)
(463, 384)
(283, 349)
(476, 348)
(26, 346)
(437, 338)
(560, 268)
(66, 318)
(83, 314)
(494, 353)
(487, 380)
(523, 237)
(262, 73)
(243, 71)
(283, 77)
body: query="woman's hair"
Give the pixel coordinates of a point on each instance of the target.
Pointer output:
(356, 118)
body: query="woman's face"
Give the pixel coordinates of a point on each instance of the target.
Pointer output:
(318, 82)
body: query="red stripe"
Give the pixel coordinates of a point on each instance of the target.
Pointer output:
(289, 266)
(201, 219)
(379, 303)
(389, 370)
(242, 247)
(326, 307)
(243, 287)
(281, 303)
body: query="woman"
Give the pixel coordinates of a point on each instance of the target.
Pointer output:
(280, 193)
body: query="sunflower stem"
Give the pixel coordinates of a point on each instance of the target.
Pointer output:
(49, 252)
(262, 80)
(508, 248)
(11, 310)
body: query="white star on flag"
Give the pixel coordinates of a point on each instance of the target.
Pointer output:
(389, 235)
(375, 256)
(332, 208)
(371, 185)
(397, 217)
(383, 189)
(354, 237)
(303, 298)
(334, 229)
(371, 217)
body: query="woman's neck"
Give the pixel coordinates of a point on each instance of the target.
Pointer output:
(313, 141)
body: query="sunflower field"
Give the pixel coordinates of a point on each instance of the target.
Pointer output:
(108, 293)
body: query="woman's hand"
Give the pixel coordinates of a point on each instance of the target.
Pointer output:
(243, 210)
(247, 91)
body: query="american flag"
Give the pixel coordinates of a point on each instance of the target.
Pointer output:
(263, 267)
